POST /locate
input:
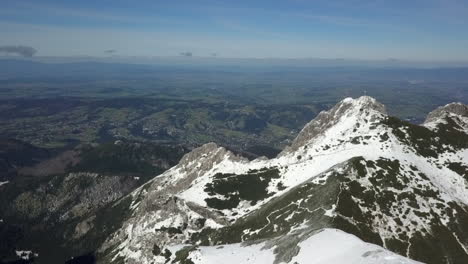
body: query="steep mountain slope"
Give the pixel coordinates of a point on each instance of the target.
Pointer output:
(353, 168)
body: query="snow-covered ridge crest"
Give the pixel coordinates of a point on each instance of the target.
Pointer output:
(457, 112)
(156, 207)
(205, 156)
(213, 197)
(364, 107)
(203, 151)
(195, 164)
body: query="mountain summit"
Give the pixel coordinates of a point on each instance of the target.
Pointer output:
(454, 113)
(356, 110)
(355, 186)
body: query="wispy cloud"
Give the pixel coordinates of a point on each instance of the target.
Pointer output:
(24, 51)
(186, 54)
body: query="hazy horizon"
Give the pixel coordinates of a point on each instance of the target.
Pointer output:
(360, 29)
(203, 61)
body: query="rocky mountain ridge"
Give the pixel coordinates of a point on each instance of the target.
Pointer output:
(384, 190)
(455, 112)
(353, 168)
(53, 214)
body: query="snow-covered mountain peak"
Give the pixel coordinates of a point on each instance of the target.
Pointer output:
(206, 155)
(193, 165)
(364, 109)
(456, 112)
(365, 102)
(353, 168)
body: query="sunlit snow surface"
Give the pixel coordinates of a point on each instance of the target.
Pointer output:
(333, 147)
(326, 247)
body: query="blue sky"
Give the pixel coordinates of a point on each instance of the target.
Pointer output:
(434, 30)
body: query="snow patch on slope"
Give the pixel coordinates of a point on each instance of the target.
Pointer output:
(325, 247)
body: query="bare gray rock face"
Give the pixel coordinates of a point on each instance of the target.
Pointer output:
(83, 227)
(327, 119)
